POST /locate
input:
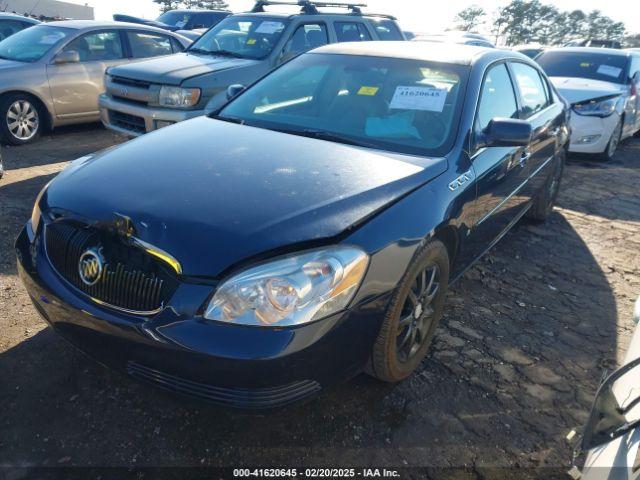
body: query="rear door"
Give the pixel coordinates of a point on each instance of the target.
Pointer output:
(537, 107)
(75, 87)
(501, 173)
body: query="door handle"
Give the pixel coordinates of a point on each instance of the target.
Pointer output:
(526, 154)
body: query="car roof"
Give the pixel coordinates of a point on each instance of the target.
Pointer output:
(435, 52)
(96, 24)
(595, 50)
(197, 10)
(16, 16)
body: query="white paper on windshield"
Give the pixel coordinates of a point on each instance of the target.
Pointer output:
(50, 39)
(269, 27)
(419, 98)
(609, 71)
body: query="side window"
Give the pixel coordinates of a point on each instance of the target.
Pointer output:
(387, 30)
(145, 44)
(497, 98)
(306, 37)
(351, 32)
(532, 89)
(97, 46)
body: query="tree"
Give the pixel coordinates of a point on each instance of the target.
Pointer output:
(166, 5)
(632, 41)
(208, 4)
(470, 18)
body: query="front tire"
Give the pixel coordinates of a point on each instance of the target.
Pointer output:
(413, 315)
(543, 204)
(612, 145)
(21, 119)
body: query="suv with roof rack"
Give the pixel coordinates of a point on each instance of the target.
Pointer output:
(241, 49)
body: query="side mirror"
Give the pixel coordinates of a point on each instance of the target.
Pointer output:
(67, 56)
(506, 132)
(616, 408)
(234, 90)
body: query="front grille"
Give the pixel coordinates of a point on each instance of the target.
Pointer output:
(246, 398)
(131, 280)
(130, 82)
(132, 123)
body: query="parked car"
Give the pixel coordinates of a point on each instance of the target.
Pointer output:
(11, 23)
(240, 49)
(530, 50)
(610, 439)
(307, 230)
(179, 20)
(602, 86)
(464, 38)
(53, 73)
(594, 42)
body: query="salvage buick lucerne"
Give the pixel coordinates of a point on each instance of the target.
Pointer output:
(304, 232)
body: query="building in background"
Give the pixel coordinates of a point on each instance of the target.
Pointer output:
(48, 9)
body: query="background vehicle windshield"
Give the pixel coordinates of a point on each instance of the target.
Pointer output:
(33, 43)
(595, 66)
(393, 104)
(248, 37)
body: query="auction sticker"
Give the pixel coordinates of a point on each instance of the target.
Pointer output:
(609, 71)
(419, 98)
(269, 27)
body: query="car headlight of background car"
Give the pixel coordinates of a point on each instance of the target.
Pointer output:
(292, 290)
(178, 97)
(598, 107)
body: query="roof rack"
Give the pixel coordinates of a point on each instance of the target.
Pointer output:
(309, 6)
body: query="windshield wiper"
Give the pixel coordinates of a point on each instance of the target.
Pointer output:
(329, 136)
(213, 53)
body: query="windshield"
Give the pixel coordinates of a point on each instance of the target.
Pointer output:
(33, 43)
(400, 105)
(175, 19)
(243, 36)
(595, 66)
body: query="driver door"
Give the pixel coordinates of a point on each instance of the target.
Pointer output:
(75, 87)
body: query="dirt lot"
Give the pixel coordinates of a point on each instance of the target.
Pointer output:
(514, 367)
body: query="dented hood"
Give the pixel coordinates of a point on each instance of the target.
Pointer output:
(213, 193)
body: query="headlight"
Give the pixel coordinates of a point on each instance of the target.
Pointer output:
(597, 108)
(291, 291)
(178, 97)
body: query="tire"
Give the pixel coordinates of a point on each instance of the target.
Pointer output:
(543, 204)
(21, 119)
(392, 359)
(612, 144)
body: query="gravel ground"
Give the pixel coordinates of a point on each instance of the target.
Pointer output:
(514, 367)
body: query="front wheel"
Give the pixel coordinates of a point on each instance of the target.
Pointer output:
(544, 202)
(21, 119)
(613, 143)
(412, 316)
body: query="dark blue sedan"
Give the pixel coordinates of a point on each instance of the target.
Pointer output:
(304, 232)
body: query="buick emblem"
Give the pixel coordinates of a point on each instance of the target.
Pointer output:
(90, 266)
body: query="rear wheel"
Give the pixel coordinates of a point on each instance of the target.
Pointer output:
(413, 315)
(21, 119)
(613, 143)
(543, 204)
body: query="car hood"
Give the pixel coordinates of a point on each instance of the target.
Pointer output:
(581, 89)
(9, 64)
(174, 69)
(212, 193)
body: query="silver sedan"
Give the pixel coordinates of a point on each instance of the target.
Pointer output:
(52, 74)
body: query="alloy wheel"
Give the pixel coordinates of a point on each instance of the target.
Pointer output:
(615, 140)
(23, 120)
(417, 313)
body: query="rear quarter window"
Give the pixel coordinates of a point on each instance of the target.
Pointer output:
(386, 29)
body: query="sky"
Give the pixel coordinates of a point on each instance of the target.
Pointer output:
(414, 15)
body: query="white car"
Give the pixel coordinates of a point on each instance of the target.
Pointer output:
(602, 85)
(612, 434)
